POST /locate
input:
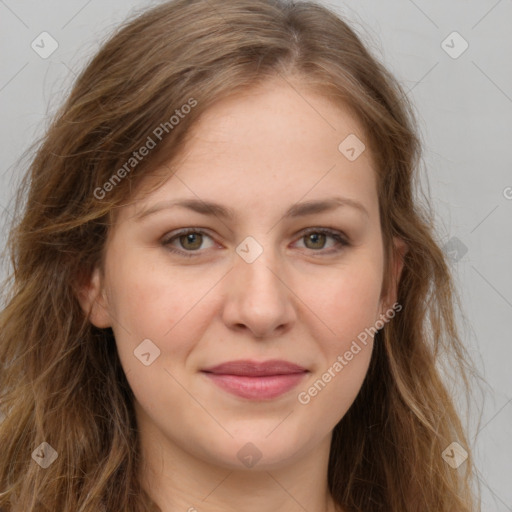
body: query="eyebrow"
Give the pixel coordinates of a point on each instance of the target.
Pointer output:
(218, 210)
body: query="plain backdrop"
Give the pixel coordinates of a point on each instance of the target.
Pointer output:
(453, 59)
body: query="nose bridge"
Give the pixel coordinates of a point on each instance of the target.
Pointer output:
(259, 276)
(258, 298)
(257, 267)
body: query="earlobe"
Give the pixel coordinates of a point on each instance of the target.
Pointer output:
(93, 301)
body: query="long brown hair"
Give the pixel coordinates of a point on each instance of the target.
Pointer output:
(62, 382)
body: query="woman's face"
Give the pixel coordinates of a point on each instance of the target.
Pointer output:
(287, 266)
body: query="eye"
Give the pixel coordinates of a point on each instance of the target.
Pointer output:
(315, 239)
(189, 240)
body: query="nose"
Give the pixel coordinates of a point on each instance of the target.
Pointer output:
(258, 299)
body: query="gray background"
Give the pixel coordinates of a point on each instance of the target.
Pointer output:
(464, 104)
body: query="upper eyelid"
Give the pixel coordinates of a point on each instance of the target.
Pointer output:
(185, 231)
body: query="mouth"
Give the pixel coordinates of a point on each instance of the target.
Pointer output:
(256, 380)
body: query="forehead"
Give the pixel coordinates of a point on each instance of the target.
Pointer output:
(267, 147)
(283, 114)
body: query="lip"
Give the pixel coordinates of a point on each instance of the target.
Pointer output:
(256, 380)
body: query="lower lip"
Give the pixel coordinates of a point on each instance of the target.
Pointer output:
(256, 388)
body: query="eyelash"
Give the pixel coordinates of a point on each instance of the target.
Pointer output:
(336, 235)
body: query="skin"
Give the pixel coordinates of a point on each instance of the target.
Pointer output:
(302, 300)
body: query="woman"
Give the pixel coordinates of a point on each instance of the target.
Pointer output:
(225, 295)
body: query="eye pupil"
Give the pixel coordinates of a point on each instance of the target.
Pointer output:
(189, 237)
(315, 238)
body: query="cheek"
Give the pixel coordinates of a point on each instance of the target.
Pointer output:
(349, 303)
(149, 304)
(157, 302)
(151, 299)
(350, 308)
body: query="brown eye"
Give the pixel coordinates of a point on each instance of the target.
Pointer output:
(324, 241)
(317, 240)
(191, 241)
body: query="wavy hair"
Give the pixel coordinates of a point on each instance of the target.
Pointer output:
(61, 380)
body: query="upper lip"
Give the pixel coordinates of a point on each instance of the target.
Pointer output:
(256, 369)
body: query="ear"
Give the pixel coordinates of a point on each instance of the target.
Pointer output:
(93, 300)
(400, 249)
